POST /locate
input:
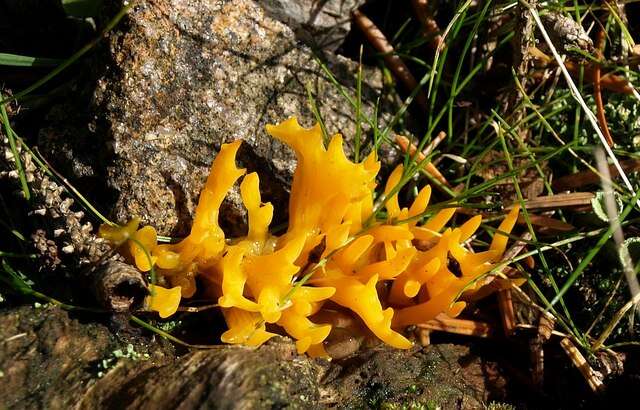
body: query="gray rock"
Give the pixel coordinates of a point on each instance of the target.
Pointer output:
(319, 24)
(187, 76)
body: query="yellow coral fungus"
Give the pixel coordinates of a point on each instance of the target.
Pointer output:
(374, 271)
(164, 301)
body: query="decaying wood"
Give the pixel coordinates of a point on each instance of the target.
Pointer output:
(347, 336)
(610, 363)
(57, 362)
(118, 286)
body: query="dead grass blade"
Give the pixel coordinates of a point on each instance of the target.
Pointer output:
(580, 179)
(558, 201)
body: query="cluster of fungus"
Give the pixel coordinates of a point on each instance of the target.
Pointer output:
(327, 256)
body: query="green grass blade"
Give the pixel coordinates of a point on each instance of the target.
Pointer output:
(81, 8)
(318, 116)
(358, 135)
(16, 60)
(14, 151)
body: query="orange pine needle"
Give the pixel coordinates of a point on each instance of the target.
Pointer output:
(405, 144)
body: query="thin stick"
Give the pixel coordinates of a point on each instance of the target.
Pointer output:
(379, 41)
(524, 326)
(546, 222)
(424, 336)
(546, 323)
(597, 91)
(434, 143)
(448, 324)
(507, 312)
(429, 24)
(580, 362)
(196, 309)
(505, 298)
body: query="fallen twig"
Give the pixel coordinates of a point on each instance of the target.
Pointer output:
(196, 309)
(505, 298)
(546, 324)
(429, 24)
(610, 82)
(590, 375)
(379, 41)
(597, 91)
(445, 323)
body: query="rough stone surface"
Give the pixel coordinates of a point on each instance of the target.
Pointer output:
(49, 360)
(319, 24)
(185, 77)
